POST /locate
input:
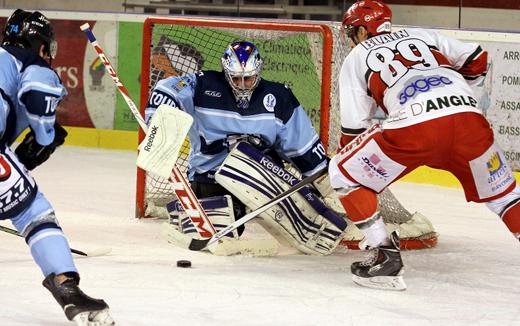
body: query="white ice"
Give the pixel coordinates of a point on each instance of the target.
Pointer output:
(471, 278)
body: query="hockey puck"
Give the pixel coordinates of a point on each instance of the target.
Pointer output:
(184, 263)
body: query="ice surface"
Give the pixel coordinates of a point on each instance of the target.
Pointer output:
(471, 278)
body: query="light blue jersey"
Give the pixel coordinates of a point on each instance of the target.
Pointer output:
(274, 116)
(29, 94)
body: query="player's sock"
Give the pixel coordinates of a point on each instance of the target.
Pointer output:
(508, 208)
(77, 306)
(361, 207)
(50, 249)
(511, 217)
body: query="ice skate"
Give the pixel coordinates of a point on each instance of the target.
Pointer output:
(78, 307)
(382, 269)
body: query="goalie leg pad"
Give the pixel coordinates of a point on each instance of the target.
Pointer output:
(301, 220)
(219, 210)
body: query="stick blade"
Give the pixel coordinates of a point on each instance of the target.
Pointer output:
(198, 244)
(102, 251)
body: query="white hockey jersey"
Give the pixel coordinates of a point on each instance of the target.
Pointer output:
(413, 75)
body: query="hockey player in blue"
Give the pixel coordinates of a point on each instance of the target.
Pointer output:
(30, 92)
(237, 105)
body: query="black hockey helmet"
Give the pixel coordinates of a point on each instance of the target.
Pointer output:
(13, 27)
(37, 30)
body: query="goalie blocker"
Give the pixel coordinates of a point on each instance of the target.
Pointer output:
(301, 220)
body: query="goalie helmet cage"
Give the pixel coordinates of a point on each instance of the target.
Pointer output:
(304, 55)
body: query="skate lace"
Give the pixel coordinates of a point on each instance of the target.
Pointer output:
(371, 257)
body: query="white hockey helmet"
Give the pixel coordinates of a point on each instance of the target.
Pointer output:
(242, 64)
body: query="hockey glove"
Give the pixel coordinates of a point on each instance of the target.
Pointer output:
(32, 154)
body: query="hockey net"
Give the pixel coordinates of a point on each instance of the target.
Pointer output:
(305, 56)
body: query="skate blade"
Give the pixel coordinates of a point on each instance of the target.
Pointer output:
(394, 283)
(94, 318)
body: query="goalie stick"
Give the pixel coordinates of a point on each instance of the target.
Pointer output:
(199, 244)
(180, 185)
(98, 252)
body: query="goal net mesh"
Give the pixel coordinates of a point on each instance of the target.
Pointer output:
(290, 57)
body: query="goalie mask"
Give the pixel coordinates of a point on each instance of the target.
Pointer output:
(242, 64)
(37, 31)
(374, 15)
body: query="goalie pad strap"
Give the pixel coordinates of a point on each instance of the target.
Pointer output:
(219, 210)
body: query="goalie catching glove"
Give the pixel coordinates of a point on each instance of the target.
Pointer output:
(31, 154)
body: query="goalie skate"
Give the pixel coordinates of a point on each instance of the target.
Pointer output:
(382, 269)
(78, 307)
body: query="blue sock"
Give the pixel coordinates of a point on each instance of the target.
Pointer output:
(50, 250)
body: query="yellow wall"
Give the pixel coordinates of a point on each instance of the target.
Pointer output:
(127, 140)
(437, 177)
(102, 138)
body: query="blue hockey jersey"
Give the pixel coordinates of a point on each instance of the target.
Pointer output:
(30, 92)
(274, 115)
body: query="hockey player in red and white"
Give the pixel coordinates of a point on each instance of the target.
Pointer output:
(422, 81)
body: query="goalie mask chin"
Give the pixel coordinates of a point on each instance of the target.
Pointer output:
(242, 64)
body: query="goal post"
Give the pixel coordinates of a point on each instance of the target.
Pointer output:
(298, 54)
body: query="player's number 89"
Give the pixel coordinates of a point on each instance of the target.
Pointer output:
(392, 66)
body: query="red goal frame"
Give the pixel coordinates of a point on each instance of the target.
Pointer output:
(324, 29)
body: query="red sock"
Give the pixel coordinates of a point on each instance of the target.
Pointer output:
(360, 204)
(511, 217)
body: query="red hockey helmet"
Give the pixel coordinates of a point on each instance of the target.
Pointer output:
(374, 15)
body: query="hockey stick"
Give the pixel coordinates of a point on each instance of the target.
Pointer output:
(179, 183)
(199, 244)
(11, 231)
